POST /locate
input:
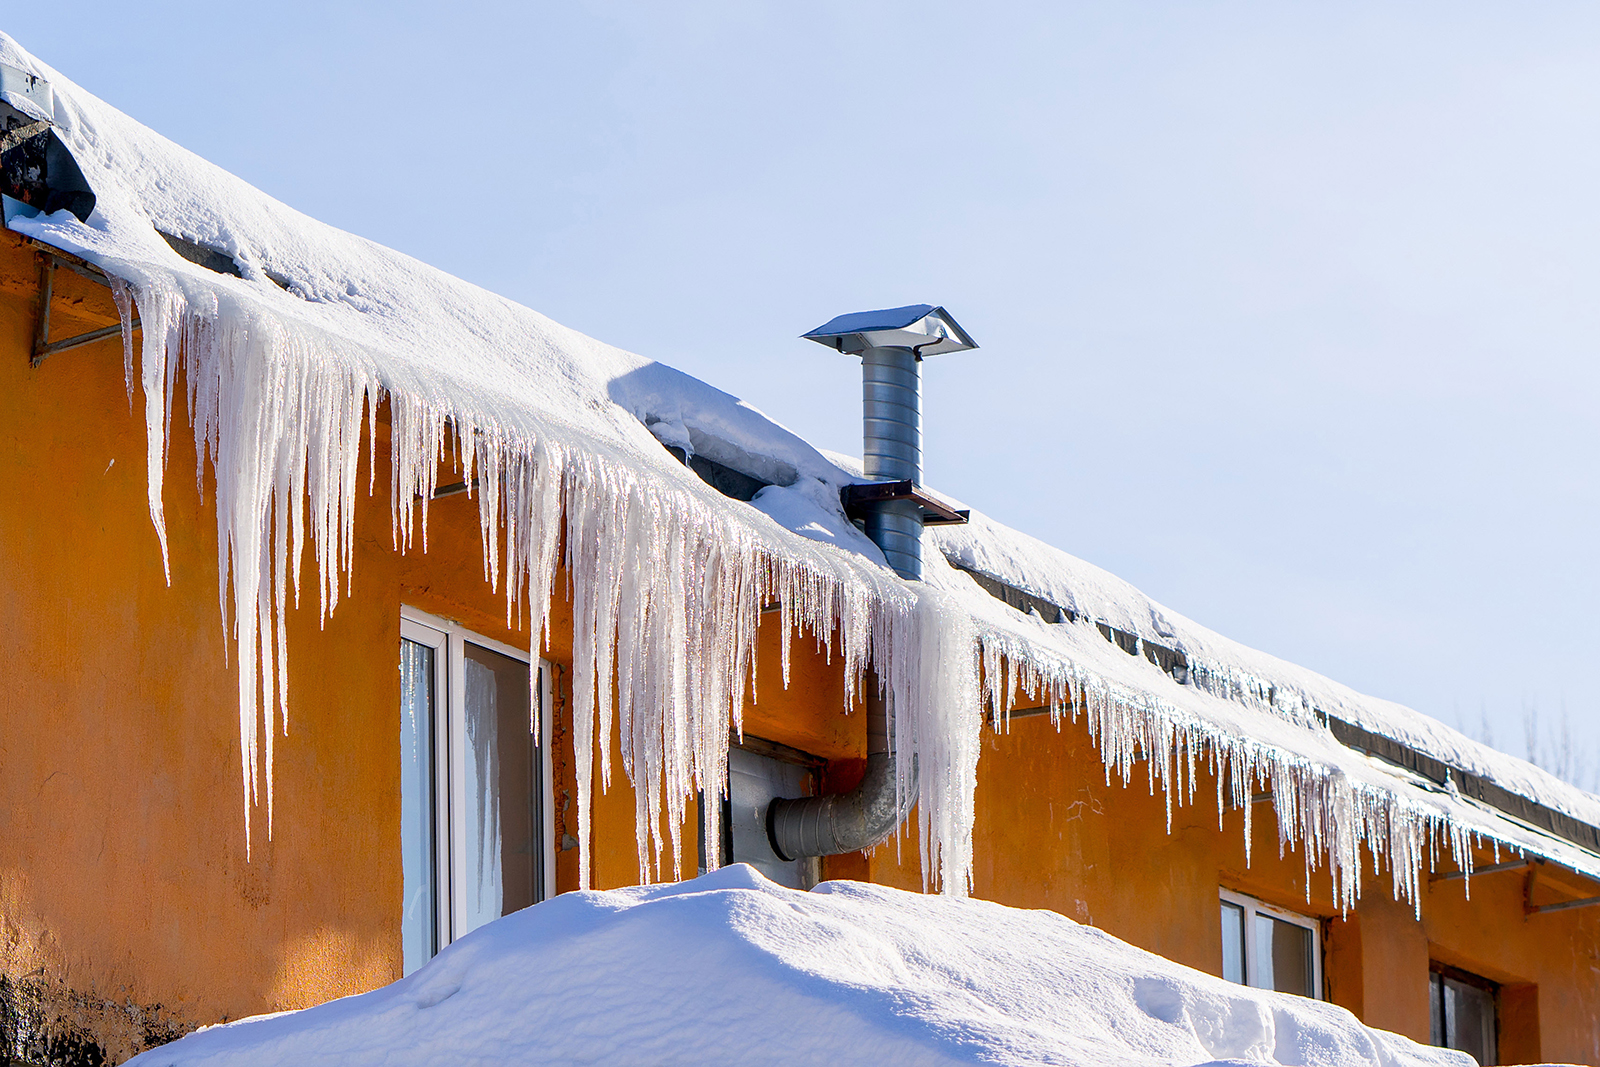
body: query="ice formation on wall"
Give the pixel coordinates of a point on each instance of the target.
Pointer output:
(283, 390)
(666, 585)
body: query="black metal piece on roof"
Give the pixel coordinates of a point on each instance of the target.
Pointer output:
(37, 169)
(1493, 868)
(1475, 786)
(215, 259)
(1020, 599)
(858, 499)
(1123, 639)
(1170, 660)
(202, 255)
(733, 484)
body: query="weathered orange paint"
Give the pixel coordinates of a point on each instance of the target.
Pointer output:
(1051, 833)
(123, 876)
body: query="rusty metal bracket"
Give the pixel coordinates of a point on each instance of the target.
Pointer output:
(1493, 868)
(43, 347)
(1530, 909)
(1539, 909)
(935, 512)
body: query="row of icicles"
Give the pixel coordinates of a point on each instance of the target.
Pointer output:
(667, 585)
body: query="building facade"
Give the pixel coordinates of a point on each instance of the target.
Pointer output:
(438, 766)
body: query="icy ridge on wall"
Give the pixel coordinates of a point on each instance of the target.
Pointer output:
(1320, 807)
(667, 578)
(668, 582)
(667, 585)
(1234, 671)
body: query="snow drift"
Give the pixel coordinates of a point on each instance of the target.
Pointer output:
(732, 969)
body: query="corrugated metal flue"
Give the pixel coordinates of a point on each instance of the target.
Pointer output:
(891, 345)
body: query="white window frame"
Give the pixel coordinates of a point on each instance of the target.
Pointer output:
(1253, 907)
(449, 639)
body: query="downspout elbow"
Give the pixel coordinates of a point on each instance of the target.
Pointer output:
(847, 822)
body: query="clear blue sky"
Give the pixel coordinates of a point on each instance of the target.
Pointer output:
(1289, 312)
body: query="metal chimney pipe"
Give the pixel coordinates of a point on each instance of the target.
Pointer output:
(891, 344)
(891, 410)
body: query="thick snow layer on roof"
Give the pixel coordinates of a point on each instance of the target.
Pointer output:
(285, 365)
(732, 969)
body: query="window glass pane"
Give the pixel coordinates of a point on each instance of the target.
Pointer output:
(419, 938)
(1436, 1030)
(1233, 942)
(1469, 1020)
(1282, 957)
(501, 850)
(753, 782)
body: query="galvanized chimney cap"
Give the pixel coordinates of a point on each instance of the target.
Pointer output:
(923, 328)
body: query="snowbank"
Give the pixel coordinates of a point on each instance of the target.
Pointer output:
(732, 969)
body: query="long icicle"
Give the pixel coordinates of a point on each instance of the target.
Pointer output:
(668, 589)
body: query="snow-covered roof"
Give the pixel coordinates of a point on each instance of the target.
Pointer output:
(732, 969)
(286, 362)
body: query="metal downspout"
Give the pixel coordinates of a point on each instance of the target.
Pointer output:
(846, 822)
(891, 394)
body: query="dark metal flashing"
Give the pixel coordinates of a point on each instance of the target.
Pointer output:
(733, 484)
(1019, 599)
(1123, 639)
(202, 255)
(214, 259)
(1170, 660)
(858, 499)
(1551, 821)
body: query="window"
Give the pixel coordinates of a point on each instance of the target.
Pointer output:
(1462, 1007)
(474, 835)
(1270, 948)
(759, 771)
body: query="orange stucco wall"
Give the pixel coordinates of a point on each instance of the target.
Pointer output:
(1051, 833)
(123, 873)
(127, 902)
